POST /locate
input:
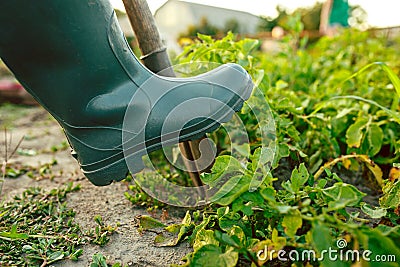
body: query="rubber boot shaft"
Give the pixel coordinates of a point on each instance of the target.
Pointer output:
(73, 58)
(55, 47)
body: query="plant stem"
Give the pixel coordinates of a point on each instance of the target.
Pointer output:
(332, 163)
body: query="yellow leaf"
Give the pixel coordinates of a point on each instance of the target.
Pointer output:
(374, 168)
(347, 163)
(394, 174)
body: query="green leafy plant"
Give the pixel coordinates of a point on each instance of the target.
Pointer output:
(337, 133)
(101, 232)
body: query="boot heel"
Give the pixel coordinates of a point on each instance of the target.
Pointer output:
(116, 171)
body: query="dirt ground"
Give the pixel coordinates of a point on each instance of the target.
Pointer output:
(126, 246)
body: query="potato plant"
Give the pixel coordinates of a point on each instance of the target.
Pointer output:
(334, 179)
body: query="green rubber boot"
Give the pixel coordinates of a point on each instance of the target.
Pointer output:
(73, 58)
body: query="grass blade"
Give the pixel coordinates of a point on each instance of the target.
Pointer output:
(393, 114)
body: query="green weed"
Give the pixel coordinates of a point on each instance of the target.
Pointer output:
(37, 229)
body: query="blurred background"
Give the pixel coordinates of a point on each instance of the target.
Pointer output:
(179, 22)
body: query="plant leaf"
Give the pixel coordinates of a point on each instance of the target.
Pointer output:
(291, 223)
(204, 237)
(232, 189)
(212, 255)
(374, 168)
(342, 195)
(391, 195)
(147, 222)
(375, 139)
(354, 133)
(299, 177)
(374, 213)
(13, 234)
(322, 241)
(379, 244)
(55, 256)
